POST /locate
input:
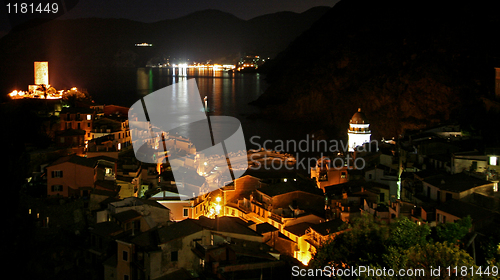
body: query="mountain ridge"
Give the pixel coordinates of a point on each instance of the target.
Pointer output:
(98, 42)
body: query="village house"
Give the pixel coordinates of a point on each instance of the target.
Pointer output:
(114, 129)
(188, 244)
(236, 195)
(277, 203)
(453, 210)
(77, 118)
(77, 176)
(445, 187)
(384, 175)
(327, 172)
(153, 212)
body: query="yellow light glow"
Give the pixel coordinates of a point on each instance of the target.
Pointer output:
(17, 94)
(217, 199)
(41, 73)
(304, 258)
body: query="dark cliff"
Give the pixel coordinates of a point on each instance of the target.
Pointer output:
(407, 64)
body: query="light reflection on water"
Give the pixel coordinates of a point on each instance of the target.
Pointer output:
(228, 95)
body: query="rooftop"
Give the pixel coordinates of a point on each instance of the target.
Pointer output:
(127, 215)
(290, 186)
(359, 118)
(265, 227)
(328, 227)
(428, 173)
(77, 110)
(178, 230)
(106, 229)
(107, 184)
(71, 132)
(463, 209)
(455, 182)
(227, 224)
(299, 229)
(134, 201)
(266, 174)
(78, 160)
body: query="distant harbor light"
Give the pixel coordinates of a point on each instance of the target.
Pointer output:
(143, 45)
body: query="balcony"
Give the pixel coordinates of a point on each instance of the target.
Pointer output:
(276, 218)
(367, 131)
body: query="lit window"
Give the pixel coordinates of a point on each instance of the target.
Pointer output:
(89, 117)
(493, 160)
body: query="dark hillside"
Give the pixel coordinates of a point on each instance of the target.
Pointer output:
(406, 63)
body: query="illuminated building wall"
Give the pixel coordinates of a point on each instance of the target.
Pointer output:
(41, 73)
(359, 130)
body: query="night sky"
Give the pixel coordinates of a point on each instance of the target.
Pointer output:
(154, 10)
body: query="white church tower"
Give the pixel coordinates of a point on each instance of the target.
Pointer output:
(359, 130)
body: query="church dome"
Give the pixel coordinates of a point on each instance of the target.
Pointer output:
(359, 118)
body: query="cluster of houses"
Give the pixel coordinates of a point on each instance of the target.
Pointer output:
(258, 224)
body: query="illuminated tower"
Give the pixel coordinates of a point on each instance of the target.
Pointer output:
(41, 73)
(359, 130)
